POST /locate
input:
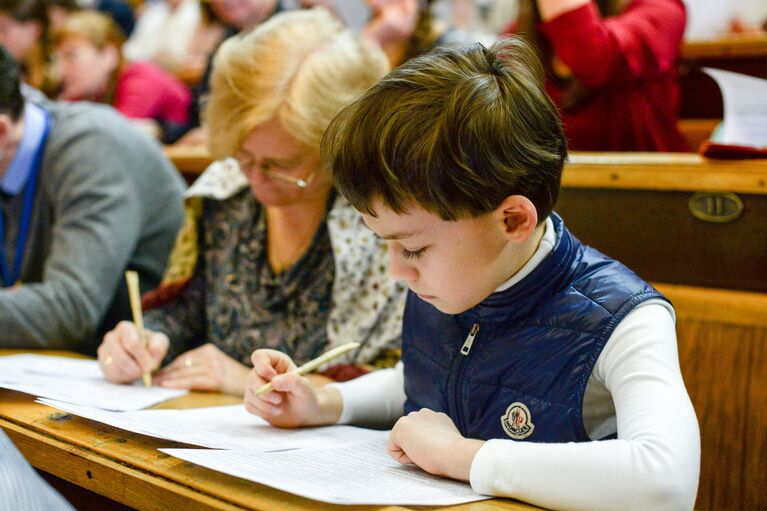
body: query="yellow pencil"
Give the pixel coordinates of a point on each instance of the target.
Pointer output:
(131, 277)
(314, 364)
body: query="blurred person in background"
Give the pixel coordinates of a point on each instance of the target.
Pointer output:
(92, 68)
(24, 31)
(611, 69)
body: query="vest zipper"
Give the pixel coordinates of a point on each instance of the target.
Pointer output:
(458, 377)
(469, 340)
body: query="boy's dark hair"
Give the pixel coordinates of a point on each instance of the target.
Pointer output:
(455, 131)
(11, 100)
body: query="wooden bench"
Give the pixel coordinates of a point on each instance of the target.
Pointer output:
(637, 208)
(662, 215)
(723, 355)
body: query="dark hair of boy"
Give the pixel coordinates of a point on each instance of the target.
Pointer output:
(455, 132)
(11, 100)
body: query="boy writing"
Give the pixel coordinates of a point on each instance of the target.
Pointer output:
(521, 346)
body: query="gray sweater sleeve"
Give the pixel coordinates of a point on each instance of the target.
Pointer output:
(21, 487)
(98, 214)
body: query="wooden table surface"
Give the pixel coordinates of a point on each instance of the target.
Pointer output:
(128, 468)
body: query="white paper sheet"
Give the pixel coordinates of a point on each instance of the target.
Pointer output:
(745, 108)
(76, 381)
(358, 472)
(218, 427)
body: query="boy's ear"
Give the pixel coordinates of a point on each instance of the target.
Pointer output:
(519, 218)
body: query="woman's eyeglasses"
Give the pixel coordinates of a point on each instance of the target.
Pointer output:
(250, 166)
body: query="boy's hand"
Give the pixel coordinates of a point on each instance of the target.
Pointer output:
(124, 358)
(431, 441)
(294, 401)
(205, 368)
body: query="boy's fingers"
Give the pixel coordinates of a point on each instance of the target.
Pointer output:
(263, 367)
(396, 452)
(289, 383)
(259, 407)
(276, 360)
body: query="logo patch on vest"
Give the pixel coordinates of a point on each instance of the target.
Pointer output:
(517, 422)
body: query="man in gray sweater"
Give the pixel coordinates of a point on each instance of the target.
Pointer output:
(83, 197)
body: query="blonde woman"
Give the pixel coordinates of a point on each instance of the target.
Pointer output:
(283, 262)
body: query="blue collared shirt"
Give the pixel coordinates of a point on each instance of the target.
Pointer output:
(17, 173)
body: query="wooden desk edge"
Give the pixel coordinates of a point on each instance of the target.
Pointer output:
(733, 45)
(55, 456)
(629, 171)
(742, 308)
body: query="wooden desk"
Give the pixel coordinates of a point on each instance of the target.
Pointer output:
(697, 131)
(191, 161)
(127, 467)
(741, 53)
(636, 207)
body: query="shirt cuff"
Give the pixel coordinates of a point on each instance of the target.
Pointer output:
(483, 468)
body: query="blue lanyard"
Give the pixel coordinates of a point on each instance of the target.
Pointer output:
(11, 275)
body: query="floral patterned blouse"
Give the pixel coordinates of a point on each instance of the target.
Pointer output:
(237, 302)
(339, 291)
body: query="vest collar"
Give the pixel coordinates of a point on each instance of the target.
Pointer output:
(545, 280)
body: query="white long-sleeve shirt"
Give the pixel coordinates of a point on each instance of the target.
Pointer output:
(636, 389)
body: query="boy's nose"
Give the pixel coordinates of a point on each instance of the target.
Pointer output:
(400, 268)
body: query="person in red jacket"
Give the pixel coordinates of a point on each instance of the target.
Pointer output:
(612, 69)
(89, 55)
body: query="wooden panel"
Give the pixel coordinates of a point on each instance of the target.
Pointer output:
(723, 354)
(664, 172)
(724, 371)
(655, 235)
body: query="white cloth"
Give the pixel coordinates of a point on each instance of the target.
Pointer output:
(163, 35)
(23, 488)
(636, 387)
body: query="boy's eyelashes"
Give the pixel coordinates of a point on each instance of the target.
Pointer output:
(413, 254)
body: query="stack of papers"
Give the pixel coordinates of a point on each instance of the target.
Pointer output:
(217, 427)
(357, 472)
(336, 464)
(76, 381)
(745, 108)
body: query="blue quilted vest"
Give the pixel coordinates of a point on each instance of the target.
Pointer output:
(516, 365)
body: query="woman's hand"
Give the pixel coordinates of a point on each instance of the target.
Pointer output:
(124, 358)
(205, 368)
(431, 441)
